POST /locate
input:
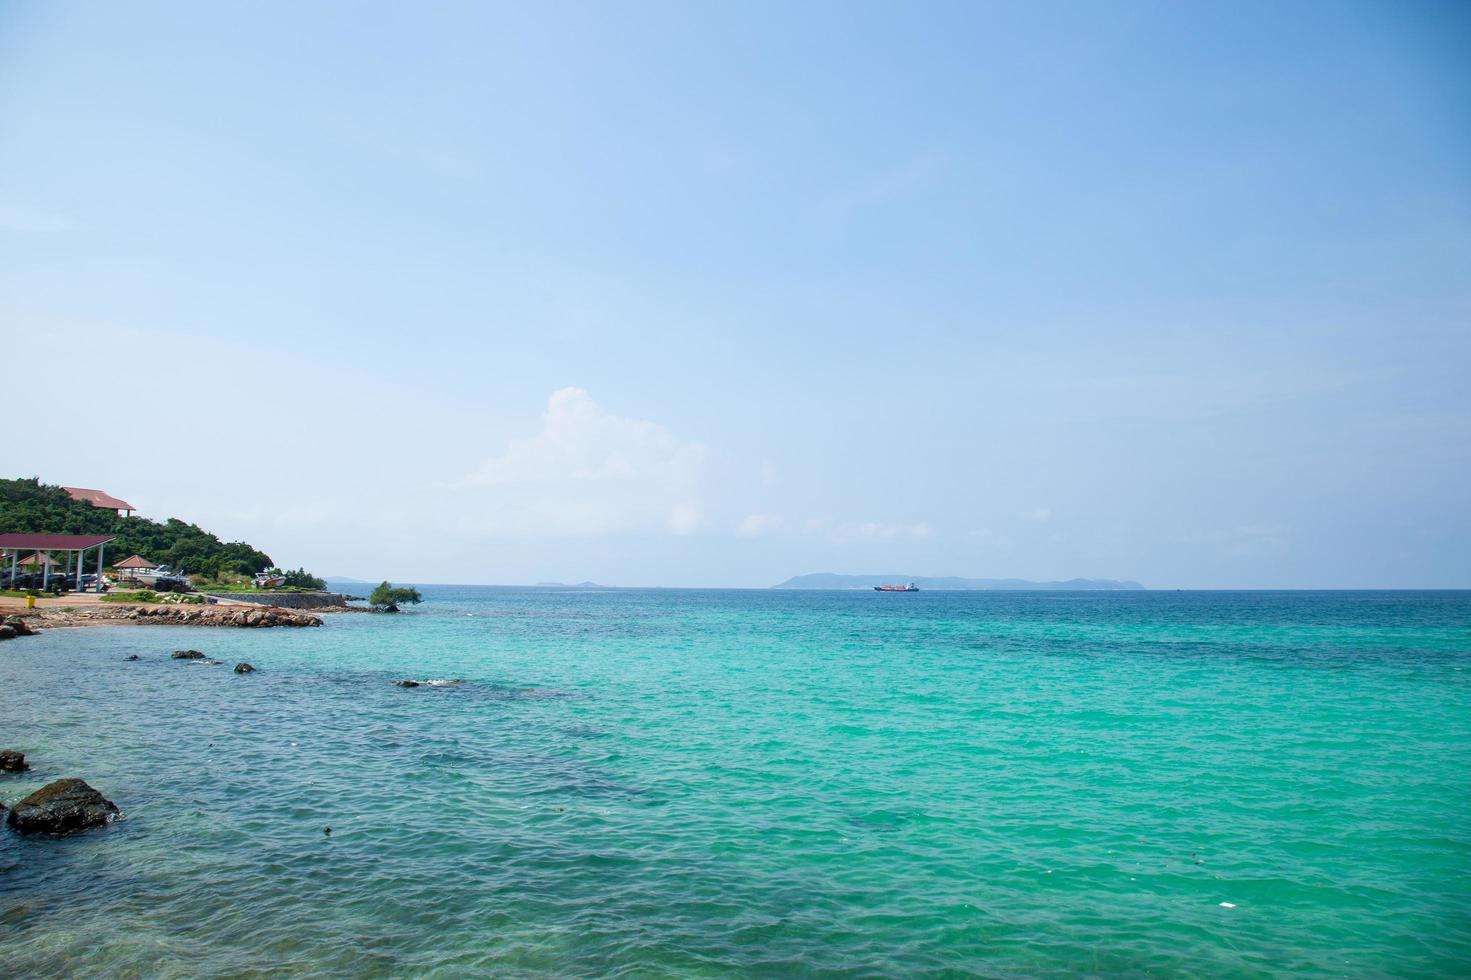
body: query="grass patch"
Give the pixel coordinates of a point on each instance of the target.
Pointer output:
(141, 595)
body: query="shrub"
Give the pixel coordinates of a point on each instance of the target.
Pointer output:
(386, 597)
(302, 579)
(139, 595)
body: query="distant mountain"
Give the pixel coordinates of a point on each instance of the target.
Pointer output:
(348, 579)
(828, 580)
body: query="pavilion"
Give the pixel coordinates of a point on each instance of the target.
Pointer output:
(42, 544)
(35, 560)
(132, 566)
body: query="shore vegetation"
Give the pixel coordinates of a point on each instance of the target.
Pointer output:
(137, 595)
(30, 506)
(386, 597)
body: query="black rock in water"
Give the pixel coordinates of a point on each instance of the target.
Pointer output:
(132, 656)
(188, 655)
(62, 807)
(407, 683)
(12, 761)
(244, 668)
(12, 626)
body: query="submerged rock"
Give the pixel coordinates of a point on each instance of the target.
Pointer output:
(62, 807)
(13, 761)
(188, 655)
(406, 683)
(206, 662)
(132, 656)
(244, 668)
(7, 631)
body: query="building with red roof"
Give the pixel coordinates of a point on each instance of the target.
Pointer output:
(101, 498)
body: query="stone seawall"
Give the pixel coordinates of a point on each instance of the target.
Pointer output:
(286, 600)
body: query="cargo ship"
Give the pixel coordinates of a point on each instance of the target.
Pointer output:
(911, 587)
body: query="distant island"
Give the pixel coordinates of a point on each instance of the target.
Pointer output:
(564, 585)
(953, 583)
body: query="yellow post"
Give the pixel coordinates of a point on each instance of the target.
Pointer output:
(30, 602)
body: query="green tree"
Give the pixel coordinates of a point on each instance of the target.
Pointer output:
(302, 579)
(30, 506)
(385, 597)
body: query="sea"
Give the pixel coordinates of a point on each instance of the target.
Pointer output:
(721, 783)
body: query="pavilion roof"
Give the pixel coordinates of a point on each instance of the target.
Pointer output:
(98, 498)
(136, 561)
(55, 542)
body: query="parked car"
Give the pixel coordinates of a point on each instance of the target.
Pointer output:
(29, 580)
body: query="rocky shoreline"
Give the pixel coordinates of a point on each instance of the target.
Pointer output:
(119, 614)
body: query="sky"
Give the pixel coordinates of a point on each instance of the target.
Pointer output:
(713, 295)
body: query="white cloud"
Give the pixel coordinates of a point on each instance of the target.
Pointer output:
(684, 519)
(870, 531)
(589, 472)
(755, 524)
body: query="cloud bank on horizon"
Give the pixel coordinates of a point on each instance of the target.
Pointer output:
(589, 472)
(551, 294)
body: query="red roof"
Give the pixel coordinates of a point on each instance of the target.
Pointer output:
(36, 558)
(98, 498)
(137, 561)
(55, 542)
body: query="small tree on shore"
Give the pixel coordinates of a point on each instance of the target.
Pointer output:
(386, 597)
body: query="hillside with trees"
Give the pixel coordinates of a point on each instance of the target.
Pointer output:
(30, 506)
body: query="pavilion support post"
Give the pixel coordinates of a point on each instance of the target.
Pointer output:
(100, 549)
(14, 557)
(45, 572)
(81, 553)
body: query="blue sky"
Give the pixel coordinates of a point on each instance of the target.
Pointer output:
(685, 295)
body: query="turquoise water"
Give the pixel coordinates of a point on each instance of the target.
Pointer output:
(715, 783)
